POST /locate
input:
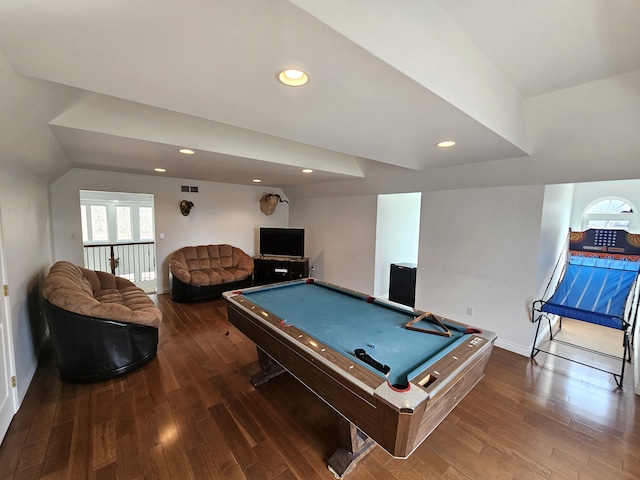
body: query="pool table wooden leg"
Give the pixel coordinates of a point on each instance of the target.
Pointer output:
(355, 445)
(269, 368)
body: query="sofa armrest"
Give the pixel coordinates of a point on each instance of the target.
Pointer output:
(245, 262)
(180, 270)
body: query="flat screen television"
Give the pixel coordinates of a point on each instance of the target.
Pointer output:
(282, 242)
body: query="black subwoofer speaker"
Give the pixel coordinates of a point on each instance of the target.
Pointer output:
(402, 283)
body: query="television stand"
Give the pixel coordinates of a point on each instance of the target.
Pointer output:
(279, 269)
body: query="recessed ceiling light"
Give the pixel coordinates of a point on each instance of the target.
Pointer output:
(293, 77)
(307, 170)
(446, 143)
(186, 151)
(256, 180)
(161, 170)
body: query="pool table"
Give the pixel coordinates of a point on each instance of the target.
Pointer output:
(392, 372)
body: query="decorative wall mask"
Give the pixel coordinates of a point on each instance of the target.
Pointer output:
(269, 202)
(185, 207)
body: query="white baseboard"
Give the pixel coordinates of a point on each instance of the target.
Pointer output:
(513, 347)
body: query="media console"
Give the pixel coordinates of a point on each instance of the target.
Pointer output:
(279, 269)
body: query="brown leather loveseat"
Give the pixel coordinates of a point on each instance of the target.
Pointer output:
(206, 271)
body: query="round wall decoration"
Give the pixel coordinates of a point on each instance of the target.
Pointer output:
(185, 207)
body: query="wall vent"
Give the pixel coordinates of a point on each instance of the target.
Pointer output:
(189, 188)
(184, 188)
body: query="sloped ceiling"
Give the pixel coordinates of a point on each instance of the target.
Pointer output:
(121, 86)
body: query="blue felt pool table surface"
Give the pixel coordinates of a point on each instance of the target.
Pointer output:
(347, 322)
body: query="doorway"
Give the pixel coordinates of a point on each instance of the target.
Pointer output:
(118, 235)
(397, 235)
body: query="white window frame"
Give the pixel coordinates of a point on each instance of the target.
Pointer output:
(112, 227)
(136, 222)
(631, 217)
(131, 223)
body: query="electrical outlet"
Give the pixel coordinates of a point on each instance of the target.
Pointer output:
(470, 311)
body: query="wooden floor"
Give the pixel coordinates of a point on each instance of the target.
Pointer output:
(191, 414)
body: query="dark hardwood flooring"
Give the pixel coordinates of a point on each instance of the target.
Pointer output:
(192, 414)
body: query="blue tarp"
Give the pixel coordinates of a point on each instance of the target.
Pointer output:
(594, 290)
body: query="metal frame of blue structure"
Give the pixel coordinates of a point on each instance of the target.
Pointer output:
(599, 285)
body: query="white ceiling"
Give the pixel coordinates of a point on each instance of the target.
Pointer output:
(120, 86)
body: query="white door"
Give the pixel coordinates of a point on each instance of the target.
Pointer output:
(8, 395)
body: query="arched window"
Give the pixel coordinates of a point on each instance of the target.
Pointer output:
(609, 212)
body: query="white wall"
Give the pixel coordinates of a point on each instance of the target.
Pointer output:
(340, 236)
(585, 193)
(554, 231)
(26, 224)
(397, 234)
(222, 213)
(479, 249)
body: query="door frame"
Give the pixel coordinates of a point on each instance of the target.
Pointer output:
(8, 406)
(111, 199)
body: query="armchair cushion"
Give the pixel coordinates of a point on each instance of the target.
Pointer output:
(99, 295)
